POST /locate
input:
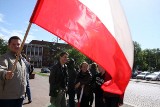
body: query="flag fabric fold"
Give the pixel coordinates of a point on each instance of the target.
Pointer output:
(96, 28)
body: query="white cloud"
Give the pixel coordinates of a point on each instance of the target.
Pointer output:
(2, 29)
(5, 34)
(2, 19)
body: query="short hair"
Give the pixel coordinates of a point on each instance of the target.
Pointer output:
(13, 37)
(63, 53)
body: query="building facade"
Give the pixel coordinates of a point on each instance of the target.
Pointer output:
(43, 53)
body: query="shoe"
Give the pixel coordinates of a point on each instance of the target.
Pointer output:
(29, 101)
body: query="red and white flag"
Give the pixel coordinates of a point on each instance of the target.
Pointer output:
(97, 28)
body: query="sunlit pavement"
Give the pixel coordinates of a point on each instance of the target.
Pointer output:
(40, 91)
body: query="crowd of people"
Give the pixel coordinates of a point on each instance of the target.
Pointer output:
(65, 78)
(84, 82)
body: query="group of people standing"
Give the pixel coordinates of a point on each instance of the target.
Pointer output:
(64, 78)
(85, 83)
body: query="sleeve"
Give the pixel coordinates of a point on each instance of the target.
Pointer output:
(52, 77)
(67, 75)
(3, 67)
(77, 79)
(52, 82)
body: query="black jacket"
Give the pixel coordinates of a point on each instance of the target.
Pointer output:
(58, 79)
(98, 80)
(72, 73)
(84, 79)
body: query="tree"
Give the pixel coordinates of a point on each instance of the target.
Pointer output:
(137, 56)
(158, 59)
(77, 56)
(3, 46)
(53, 50)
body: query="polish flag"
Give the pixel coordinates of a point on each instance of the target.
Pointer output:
(97, 28)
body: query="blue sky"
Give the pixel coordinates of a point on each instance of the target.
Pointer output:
(142, 15)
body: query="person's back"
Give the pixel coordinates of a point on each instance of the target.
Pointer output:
(28, 70)
(94, 69)
(72, 74)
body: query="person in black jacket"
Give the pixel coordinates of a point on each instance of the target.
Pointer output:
(109, 99)
(98, 80)
(72, 73)
(83, 80)
(94, 71)
(58, 82)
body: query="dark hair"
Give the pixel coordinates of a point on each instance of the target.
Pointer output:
(94, 66)
(13, 37)
(24, 55)
(71, 60)
(71, 63)
(63, 53)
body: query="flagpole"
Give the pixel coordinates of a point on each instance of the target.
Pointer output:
(20, 50)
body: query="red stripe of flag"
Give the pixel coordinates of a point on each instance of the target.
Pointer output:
(73, 22)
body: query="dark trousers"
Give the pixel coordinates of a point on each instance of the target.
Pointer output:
(91, 99)
(11, 102)
(111, 101)
(99, 101)
(59, 100)
(71, 93)
(85, 101)
(28, 91)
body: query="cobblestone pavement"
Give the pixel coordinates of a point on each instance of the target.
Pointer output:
(40, 93)
(141, 93)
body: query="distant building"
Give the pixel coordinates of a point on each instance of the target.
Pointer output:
(43, 53)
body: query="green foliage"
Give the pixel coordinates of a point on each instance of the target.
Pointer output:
(53, 51)
(137, 56)
(42, 74)
(3, 46)
(148, 59)
(77, 56)
(145, 60)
